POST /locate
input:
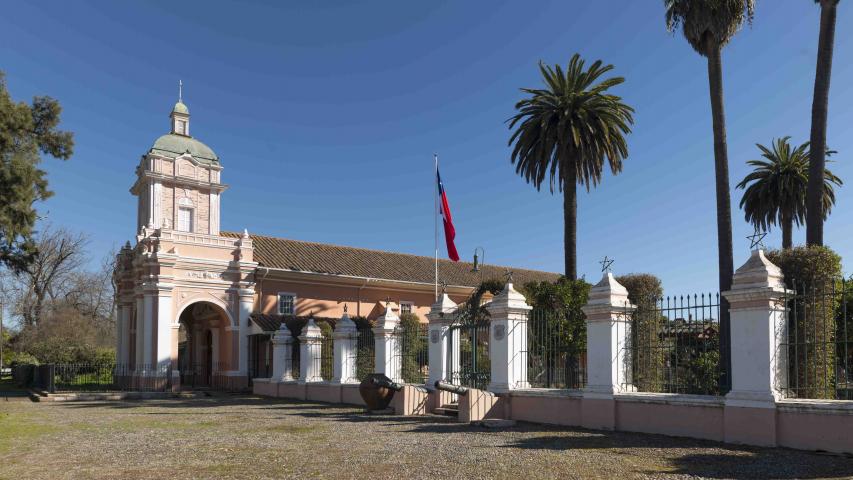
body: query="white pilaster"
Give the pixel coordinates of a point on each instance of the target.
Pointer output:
(149, 301)
(442, 314)
(509, 313)
(214, 213)
(608, 320)
(346, 343)
(165, 322)
(157, 203)
(282, 354)
(387, 345)
(310, 352)
(758, 330)
(246, 301)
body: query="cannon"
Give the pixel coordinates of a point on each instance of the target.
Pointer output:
(449, 387)
(377, 390)
(386, 383)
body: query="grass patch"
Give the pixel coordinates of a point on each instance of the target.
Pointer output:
(18, 430)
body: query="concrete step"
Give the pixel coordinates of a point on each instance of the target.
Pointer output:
(450, 410)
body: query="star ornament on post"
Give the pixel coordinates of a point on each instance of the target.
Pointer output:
(605, 264)
(757, 239)
(508, 275)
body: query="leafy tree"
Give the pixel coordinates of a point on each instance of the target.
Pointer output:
(775, 191)
(820, 111)
(708, 25)
(413, 348)
(644, 291)
(565, 132)
(26, 131)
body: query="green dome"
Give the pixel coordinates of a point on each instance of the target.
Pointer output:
(172, 145)
(181, 108)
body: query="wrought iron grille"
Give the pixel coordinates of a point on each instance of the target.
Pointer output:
(364, 354)
(674, 346)
(556, 351)
(818, 349)
(412, 352)
(470, 365)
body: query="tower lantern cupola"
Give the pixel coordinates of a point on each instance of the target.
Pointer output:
(180, 114)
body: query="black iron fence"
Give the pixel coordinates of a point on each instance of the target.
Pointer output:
(674, 346)
(817, 346)
(470, 364)
(556, 350)
(411, 354)
(364, 354)
(78, 377)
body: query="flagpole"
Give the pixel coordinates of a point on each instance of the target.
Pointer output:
(435, 218)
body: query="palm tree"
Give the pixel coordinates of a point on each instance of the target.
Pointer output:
(566, 131)
(775, 191)
(708, 25)
(820, 109)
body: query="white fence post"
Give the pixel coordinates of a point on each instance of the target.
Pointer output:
(509, 314)
(758, 330)
(310, 352)
(387, 345)
(282, 355)
(441, 316)
(344, 370)
(608, 327)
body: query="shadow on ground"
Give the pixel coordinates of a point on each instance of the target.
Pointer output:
(686, 456)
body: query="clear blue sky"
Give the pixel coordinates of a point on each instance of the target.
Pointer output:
(326, 116)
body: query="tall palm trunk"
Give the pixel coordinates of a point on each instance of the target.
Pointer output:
(820, 109)
(724, 207)
(787, 231)
(570, 221)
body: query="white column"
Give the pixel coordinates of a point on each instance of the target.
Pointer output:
(509, 313)
(387, 345)
(346, 343)
(165, 323)
(247, 300)
(758, 330)
(149, 300)
(310, 351)
(157, 203)
(282, 345)
(442, 314)
(214, 213)
(608, 318)
(140, 332)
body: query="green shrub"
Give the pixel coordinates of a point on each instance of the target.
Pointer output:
(815, 275)
(413, 348)
(649, 358)
(21, 358)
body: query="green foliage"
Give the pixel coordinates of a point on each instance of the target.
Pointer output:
(566, 131)
(413, 348)
(565, 297)
(708, 23)
(63, 350)
(20, 358)
(649, 358)
(775, 191)
(26, 131)
(365, 348)
(814, 272)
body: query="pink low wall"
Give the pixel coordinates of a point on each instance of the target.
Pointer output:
(314, 392)
(801, 424)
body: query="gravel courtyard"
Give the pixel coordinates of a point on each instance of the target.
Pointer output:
(250, 437)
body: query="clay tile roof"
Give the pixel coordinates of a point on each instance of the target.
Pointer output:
(300, 256)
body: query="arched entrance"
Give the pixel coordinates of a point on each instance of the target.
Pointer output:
(204, 346)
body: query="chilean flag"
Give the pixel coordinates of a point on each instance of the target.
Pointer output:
(449, 231)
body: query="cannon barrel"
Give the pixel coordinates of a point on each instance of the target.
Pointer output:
(449, 387)
(381, 382)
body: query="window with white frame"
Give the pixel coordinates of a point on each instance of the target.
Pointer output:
(181, 127)
(406, 307)
(185, 219)
(286, 304)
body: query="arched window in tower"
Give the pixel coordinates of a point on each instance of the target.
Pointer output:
(185, 215)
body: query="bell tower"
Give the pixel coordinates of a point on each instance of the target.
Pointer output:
(178, 180)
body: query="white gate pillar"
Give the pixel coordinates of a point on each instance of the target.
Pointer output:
(282, 355)
(310, 353)
(509, 313)
(345, 338)
(387, 345)
(442, 314)
(608, 329)
(246, 298)
(759, 368)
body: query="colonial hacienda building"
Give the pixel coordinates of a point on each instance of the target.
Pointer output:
(191, 294)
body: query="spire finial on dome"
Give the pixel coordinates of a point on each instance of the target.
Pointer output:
(181, 91)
